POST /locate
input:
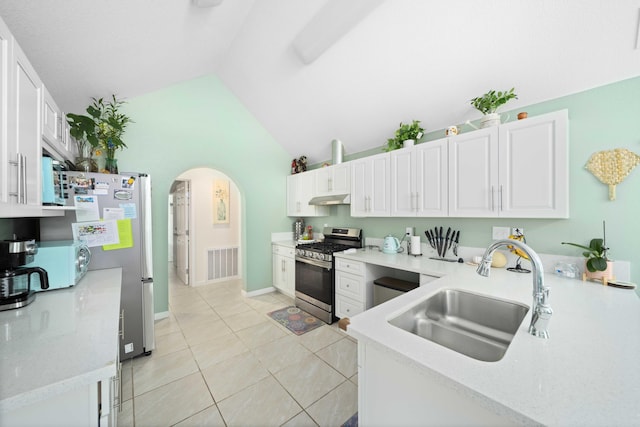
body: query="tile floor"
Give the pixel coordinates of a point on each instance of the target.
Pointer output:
(220, 360)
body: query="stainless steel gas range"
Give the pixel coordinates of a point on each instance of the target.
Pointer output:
(315, 282)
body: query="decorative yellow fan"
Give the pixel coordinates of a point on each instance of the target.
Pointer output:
(519, 252)
(612, 167)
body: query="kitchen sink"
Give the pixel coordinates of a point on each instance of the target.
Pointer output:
(475, 325)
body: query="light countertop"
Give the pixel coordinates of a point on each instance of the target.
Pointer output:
(64, 339)
(584, 374)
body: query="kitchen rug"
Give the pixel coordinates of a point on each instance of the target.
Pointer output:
(296, 320)
(351, 422)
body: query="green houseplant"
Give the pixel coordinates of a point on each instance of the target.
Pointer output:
(492, 100)
(405, 132)
(489, 103)
(595, 253)
(101, 129)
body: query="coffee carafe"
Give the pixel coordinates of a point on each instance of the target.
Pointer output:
(15, 280)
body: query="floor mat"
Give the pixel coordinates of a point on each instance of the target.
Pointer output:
(351, 422)
(296, 320)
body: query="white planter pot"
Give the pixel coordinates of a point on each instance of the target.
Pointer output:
(489, 120)
(408, 143)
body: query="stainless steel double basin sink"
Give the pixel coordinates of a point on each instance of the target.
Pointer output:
(475, 325)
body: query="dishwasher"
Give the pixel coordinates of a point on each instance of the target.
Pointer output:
(387, 288)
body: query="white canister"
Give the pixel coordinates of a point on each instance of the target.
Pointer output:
(415, 245)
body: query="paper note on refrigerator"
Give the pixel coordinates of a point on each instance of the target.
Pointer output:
(96, 233)
(86, 208)
(125, 234)
(112, 213)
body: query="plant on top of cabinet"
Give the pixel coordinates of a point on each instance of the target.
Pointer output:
(101, 130)
(489, 103)
(406, 132)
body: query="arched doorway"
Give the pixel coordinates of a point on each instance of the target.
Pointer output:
(205, 224)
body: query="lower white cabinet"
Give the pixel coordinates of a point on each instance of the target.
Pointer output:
(351, 294)
(91, 405)
(394, 391)
(354, 286)
(284, 269)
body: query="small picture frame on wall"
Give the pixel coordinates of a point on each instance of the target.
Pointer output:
(221, 201)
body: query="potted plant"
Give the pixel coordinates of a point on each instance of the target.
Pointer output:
(598, 264)
(102, 130)
(405, 136)
(489, 103)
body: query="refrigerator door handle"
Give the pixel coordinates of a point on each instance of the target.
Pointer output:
(145, 226)
(148, 315)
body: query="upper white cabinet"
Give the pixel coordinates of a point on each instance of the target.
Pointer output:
(300, 189)
(473, 173)
(419, 180)
(24, 132)
(534, 167)
(519, 170)
(55, 129)
(370, 186)
(5, 55)
(333, 180)
(21, 133)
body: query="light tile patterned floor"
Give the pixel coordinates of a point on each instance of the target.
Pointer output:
(221, 361)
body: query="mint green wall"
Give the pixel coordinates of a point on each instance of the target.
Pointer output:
(199, 123)
(603, 118)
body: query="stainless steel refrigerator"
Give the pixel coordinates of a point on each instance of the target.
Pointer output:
(124, 200)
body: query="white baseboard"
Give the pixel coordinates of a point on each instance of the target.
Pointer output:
(161, 315)
(258, 292)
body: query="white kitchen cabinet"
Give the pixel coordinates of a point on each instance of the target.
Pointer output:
(6, 43)
(393, 390)
(51, 120)
(20, 133)
(534, 172)
(300, 189)
(370, 186)
(419, 180)
(518, 170)
(351, 292)
(473, 173)
(55, 130)
(333, 180)
(284, 269)
(354, 286)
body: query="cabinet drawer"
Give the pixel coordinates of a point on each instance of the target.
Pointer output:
(346, 307)
(356, 267)
(283, 250)
(350, 285)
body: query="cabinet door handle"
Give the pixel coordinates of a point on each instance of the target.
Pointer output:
(283, 269)
(19, 180)
(122, 324)
(330, 184)
(24, 179)
(500, 194)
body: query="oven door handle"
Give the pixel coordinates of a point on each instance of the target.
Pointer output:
(317, 263)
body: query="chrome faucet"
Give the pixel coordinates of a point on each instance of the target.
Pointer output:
(541, 309)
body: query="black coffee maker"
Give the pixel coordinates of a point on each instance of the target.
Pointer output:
(15, 280)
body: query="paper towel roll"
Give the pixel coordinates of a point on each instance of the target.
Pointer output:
(415, 245)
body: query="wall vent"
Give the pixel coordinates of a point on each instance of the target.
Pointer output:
(222, 263)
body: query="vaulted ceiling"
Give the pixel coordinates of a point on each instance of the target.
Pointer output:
(385, 61)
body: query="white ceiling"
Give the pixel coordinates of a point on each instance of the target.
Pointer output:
(405, 60)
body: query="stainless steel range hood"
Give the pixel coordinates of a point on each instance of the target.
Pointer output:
(338, 199)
